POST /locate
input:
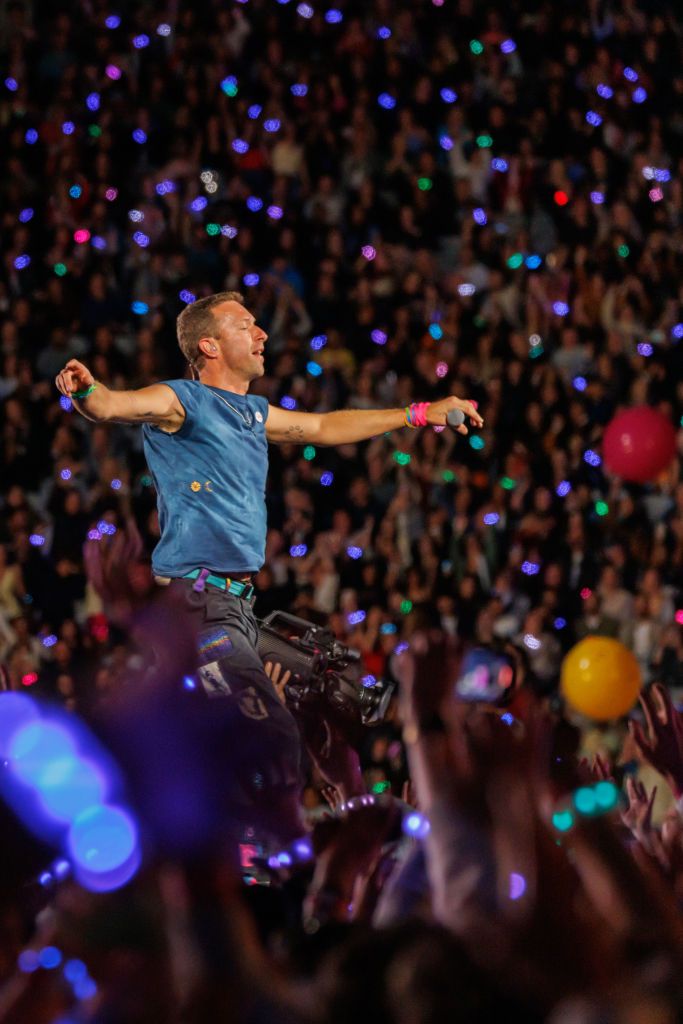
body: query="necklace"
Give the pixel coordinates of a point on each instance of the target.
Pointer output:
(247, 420)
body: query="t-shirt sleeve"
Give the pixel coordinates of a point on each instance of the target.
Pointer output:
(189, 397)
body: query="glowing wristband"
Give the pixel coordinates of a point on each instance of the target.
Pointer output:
(416, 414)
(84, 394)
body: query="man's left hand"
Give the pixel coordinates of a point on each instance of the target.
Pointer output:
(437, 412)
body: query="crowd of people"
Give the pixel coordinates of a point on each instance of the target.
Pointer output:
(416, 199)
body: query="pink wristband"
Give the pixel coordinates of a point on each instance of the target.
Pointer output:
(418, 413)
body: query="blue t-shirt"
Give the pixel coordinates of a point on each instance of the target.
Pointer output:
(210, 478)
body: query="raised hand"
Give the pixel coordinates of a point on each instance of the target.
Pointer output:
(334, 757)
(74, 377)
(437, 412)
(662, 746)
(637, 816)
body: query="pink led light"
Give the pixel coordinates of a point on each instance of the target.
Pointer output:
(81, 236)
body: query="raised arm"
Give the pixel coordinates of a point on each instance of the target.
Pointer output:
(156, 404)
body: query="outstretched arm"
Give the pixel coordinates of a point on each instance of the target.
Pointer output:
(349, 425)
(157, 404)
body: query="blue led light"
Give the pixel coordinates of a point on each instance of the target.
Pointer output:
(491, 518)
(530, 568)
(677, 331)
(251, 280)
(436, 331)
(416, 825)
(272, 125)
(254, 204)
(333, 16)
(533, 262)
(140, 308)
(498, 164)
(448, 95)
(287, 402)
(630, 74)
(644, 348)
(113, 21)
(26, 215)
(34, 747)
(254, 111)
(388, 628)
(240, 145)
(275, 212)
(368, 682)
(298, 550)
(28, 961)
(299, 89)
(327, 479)
(597, 198)
(66, 403)
(580, 383)
(139, 136)
(31, 136)
(75, 191)
(36, 540)
(559, 622)
(11, 84)
(69, 786)
(354, 618)
(560, 308)
(50, 640)
(141, 41)
(639, 95)
(102, 839)
(141, 239)
(187, 296)
(591, 457)
(593, 118)
(605, 91)
(189, 683)
(563, 488)
(379, 337)
(508, 46)
(319, 341)
(354, 552)
(386, 101)
(200, 203)
(479, 216)
(23, 261)
(383, 32)
(315, 369)
(74, 970)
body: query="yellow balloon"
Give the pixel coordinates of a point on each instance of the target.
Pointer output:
(600, 678)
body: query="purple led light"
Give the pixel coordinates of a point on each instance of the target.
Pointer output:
(560, 308)
(229, 231)
(112, 72)
(65, 473)
(354, 618)
(305, 10)
(446, 142)
(36, 540)
(479, 216)
(508, 46)
(379, 337)
(115, 484)
(275, 212)
(597, 198)
(369, 252)
(644, 348)
(31, 136)
(66, 403)
(141, 239)
(98, 242)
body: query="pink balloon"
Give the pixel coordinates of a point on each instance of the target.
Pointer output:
(639, 443)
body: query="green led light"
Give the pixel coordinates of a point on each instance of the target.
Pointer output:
(584, 800)
(146, 481)
(380, 787)
(424, 184)
(403, 458)
(606, 795)
(623, 251)
(602, 508)
(536, 351)
(95, 131)
(477, 442)
(563, 820)
(213, 229)
(229, 88)
(406, 606)
(508, 484)
(484, 141)
(448, 476)
(60, 269)
(309, 452)
(515, 260)
(476, 47)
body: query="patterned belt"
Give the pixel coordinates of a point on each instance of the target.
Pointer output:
(203, 576)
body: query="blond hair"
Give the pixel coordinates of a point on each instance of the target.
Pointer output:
(197, 321)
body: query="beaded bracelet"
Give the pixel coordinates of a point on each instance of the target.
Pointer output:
(416, 414)
(84, 394)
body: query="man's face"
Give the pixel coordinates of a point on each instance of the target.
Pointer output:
(241, 340)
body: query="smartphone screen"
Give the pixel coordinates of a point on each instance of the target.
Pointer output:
(485, 675)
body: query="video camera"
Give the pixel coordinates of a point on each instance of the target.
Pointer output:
(324, 671)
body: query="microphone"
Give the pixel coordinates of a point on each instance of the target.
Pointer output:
(455, 417)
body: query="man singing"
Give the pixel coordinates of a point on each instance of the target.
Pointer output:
(205, 442)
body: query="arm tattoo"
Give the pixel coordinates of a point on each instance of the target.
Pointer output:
(295, 432)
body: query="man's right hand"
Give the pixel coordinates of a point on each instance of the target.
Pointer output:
(74, 377)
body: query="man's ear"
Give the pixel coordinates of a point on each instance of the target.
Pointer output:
(208, 348)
